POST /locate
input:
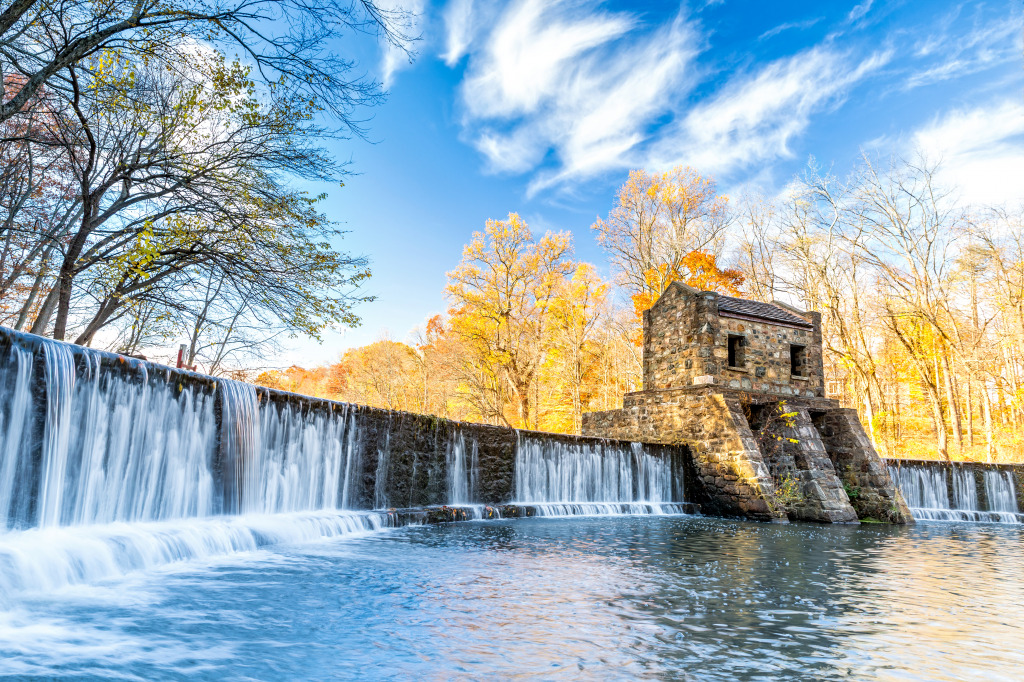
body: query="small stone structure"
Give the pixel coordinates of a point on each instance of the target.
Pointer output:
(741, 383)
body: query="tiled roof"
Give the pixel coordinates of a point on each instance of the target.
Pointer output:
(741, 307)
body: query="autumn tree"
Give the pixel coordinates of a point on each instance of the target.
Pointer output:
(580, 305)
(501, 297)
(698, 269)
(658, 220)
(382, 374)
(439, 357)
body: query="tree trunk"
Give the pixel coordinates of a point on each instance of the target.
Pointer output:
(102, 316)
(970, 412)
(954, 407)
(45, 313)
(987, 404)
(937, 416)
(26, 309)
(65, 280)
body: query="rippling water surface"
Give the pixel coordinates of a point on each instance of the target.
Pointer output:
(581, 598)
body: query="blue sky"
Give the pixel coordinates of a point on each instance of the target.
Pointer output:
(543, 107)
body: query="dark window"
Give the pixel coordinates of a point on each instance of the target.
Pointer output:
(798, 361)
(736, 358)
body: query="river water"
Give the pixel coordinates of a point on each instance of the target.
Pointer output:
(645, 597)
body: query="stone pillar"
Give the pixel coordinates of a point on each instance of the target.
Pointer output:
(873, 493)
(707, 333)
(821, 495)
(816, 357)
(730, 471)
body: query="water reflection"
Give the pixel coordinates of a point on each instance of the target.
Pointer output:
(616, 598)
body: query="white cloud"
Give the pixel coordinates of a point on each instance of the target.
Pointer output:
(531, 57)
(458, 20)
(563, 93)
(552, 83)
(395, 58)
(981, 151)
(859, 11)
(799, 25)
(951, 53)
(753, 120)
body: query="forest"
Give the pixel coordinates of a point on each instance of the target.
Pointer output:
(922, 302)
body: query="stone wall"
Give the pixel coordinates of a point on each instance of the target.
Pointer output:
(735, 475)
(686, 342)
(863, 472)
(803, 465)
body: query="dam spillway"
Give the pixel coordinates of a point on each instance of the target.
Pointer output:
(962, 491)
(148, 512)
(110, 464)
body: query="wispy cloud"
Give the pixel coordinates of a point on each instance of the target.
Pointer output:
(532, 57)
(950, 52)
(458, 20)
(859, 11)
(754, 119)
(572, 91)
(395, 58)
(981, 150)
(788, 26)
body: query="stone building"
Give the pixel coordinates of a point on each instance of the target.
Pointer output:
(741, 383)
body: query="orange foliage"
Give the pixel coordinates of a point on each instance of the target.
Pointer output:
(698, 269)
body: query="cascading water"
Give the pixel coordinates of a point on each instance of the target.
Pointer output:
(16, 417)
(1001, 497)
(560, 478)
(119, 469)
(965, 491)
(116, 446)
(109, 465)
(461, 470)
(927, 494)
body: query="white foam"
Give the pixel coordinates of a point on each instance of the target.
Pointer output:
(47, 559)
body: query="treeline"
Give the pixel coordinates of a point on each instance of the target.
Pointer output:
(922, 301)
(148, 174)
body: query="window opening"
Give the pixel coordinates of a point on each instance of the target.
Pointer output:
(736, 358)
(798, 361)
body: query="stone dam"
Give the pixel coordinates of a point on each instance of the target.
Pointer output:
(89, 437)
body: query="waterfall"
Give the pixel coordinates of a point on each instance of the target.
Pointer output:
(380, 484)
(591, 478)
(965, 490)
(353, 463)
(240, 446)
(462, 461)
(116, 446)
(926, 492)
(16, 416)
(109, 464)
(121, 467)
(1000, 493)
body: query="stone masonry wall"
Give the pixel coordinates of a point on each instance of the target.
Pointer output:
(860, 467)
(732, 476)
(820, 495)
(686, 339)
